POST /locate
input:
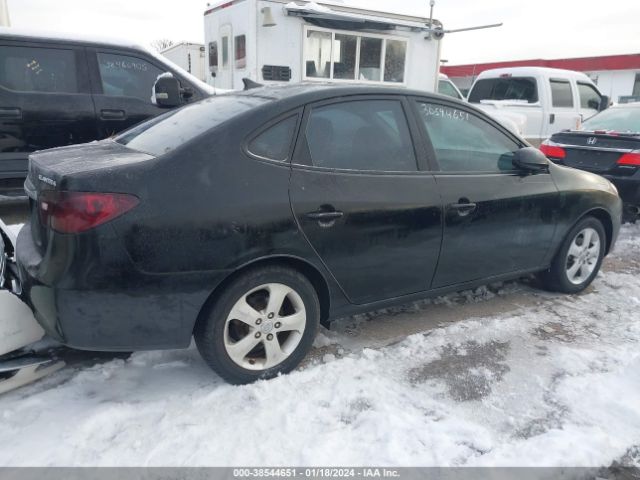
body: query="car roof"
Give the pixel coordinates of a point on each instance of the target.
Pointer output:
(626, 105)
(312, 91)
(533, 71)
(37, 35)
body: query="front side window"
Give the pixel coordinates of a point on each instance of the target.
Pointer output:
(464, 142)
(124, 76)
(274, 143)
(589, 96)
(361, 135)
(31, 69)
(522, 89)
(561, 94)
(213, 54)
(241, 51)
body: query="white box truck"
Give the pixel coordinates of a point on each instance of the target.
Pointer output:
(282, 41)
(189, 57)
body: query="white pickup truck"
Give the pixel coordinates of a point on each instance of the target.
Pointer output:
(538, 101)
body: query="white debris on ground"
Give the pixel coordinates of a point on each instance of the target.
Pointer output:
(554, 383)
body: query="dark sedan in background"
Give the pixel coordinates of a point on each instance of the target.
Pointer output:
(247, 219)
(607, 144)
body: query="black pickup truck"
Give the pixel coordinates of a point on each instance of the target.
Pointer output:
(57, 90)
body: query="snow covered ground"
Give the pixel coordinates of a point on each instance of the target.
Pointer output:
(506, 375)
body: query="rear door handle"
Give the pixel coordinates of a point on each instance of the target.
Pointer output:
(464, 207)
(10, 112)
(112, 114)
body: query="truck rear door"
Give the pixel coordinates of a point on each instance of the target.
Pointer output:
(45, 102)
(563, 111)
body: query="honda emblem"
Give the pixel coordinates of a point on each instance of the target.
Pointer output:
(592, 141)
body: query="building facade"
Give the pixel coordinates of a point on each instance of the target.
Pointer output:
(617, 76)
(4, 14)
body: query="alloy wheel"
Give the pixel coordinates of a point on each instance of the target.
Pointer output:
(265, 326)
(583, 255)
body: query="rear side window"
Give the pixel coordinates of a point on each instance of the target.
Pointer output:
(361, 135)
(561, 94)
(30, 69)
(177, 127)
(464, 142)
(505, 88)
(589, 96)
(274, 143)
(124, 76)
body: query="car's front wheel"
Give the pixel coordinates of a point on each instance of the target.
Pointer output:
(262, 324)
(579, 259)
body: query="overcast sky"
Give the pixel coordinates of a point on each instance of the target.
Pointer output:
(532, 29)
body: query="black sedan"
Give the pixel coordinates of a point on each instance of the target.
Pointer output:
(607, 144)
(248, 219)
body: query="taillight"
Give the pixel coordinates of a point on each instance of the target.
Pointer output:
(75, 212)
(630, 159)
(552, 150)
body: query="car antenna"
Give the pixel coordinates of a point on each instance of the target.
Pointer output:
(250, 84)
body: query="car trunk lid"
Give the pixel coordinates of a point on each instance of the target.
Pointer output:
(594, 151)
(80, 168)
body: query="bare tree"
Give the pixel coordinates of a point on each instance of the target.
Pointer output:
(162, 44)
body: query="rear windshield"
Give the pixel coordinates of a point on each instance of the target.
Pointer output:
(172, 129)
(621, 120)
(505, 88)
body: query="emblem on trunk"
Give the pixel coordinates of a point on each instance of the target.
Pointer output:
(592, 141)
(47, 180)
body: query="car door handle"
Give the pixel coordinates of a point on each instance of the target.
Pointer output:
(325, 216)
(10, 112)
(464, 207)
(112, 114)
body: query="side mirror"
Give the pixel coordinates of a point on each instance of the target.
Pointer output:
(604, 103)
(531, 160)
(167, 91)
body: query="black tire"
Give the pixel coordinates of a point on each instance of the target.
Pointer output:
(210, 331)
(557, 278)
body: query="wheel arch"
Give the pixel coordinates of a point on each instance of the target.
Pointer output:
(600, 214)
(605, 217)
(312, 274)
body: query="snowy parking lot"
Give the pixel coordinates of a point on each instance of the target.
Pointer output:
(505, 375)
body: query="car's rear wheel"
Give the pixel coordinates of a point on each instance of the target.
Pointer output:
(262, 324)
(579, 259)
